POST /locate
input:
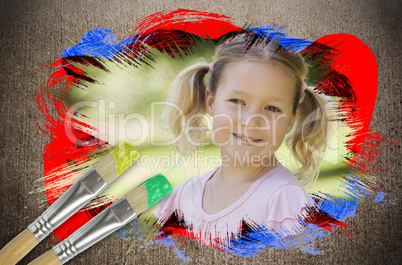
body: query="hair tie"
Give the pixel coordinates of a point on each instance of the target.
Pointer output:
(211, 67)
(304, 86)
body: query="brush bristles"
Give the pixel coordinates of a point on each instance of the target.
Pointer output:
(106, 168)
(148, 193)
(138, 199)
(117, 161)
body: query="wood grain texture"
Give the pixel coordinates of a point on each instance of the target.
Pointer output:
(18, 247)
(48, 258)
(35, 33)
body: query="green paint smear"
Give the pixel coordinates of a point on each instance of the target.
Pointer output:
(157, 187)
(125, 155)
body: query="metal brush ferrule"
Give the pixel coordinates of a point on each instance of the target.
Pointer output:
(109, 220)
(79, 194)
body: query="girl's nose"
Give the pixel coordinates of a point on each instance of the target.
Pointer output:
(253, 118)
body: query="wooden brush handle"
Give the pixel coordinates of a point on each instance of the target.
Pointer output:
(17, 248)
(49, 258)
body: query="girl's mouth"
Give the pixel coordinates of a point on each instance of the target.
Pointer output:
(246, 140)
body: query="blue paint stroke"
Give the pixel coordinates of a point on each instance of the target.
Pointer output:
(98, 42)
(380, 196)
(276, 33)
(137, 230)
(101, 42)
(263, 238)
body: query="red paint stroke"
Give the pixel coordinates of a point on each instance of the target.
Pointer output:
(72, 141)
(77, 220)
(168, 31)
(356, 61)
(322, 219)
(62, 155)
(176, 228)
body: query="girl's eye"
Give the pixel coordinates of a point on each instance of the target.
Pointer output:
(272, 108)
(236, 101)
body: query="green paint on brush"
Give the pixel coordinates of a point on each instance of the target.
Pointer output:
(121, 153)
(157, 187)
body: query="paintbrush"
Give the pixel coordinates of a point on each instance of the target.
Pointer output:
(109, 220)
(87, 187)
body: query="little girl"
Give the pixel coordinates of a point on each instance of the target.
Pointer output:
(256, 95)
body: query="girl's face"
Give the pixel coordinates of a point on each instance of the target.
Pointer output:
(254, 100)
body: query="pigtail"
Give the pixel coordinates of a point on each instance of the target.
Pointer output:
(307, 140)
(187, 94)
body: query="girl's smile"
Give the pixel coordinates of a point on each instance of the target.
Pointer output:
(246, 140)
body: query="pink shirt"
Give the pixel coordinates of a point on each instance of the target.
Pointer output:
(276, 200)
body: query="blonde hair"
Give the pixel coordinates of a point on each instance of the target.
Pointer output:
(188, 93)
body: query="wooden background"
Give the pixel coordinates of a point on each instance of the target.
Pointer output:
(35, 33)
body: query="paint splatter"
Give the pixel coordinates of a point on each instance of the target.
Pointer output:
(343, 66)
(380, 196)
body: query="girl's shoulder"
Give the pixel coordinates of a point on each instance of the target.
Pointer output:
(288, 200)
(283, 188)
(279, 177)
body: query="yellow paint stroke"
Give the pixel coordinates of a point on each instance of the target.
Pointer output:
(121, 153)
